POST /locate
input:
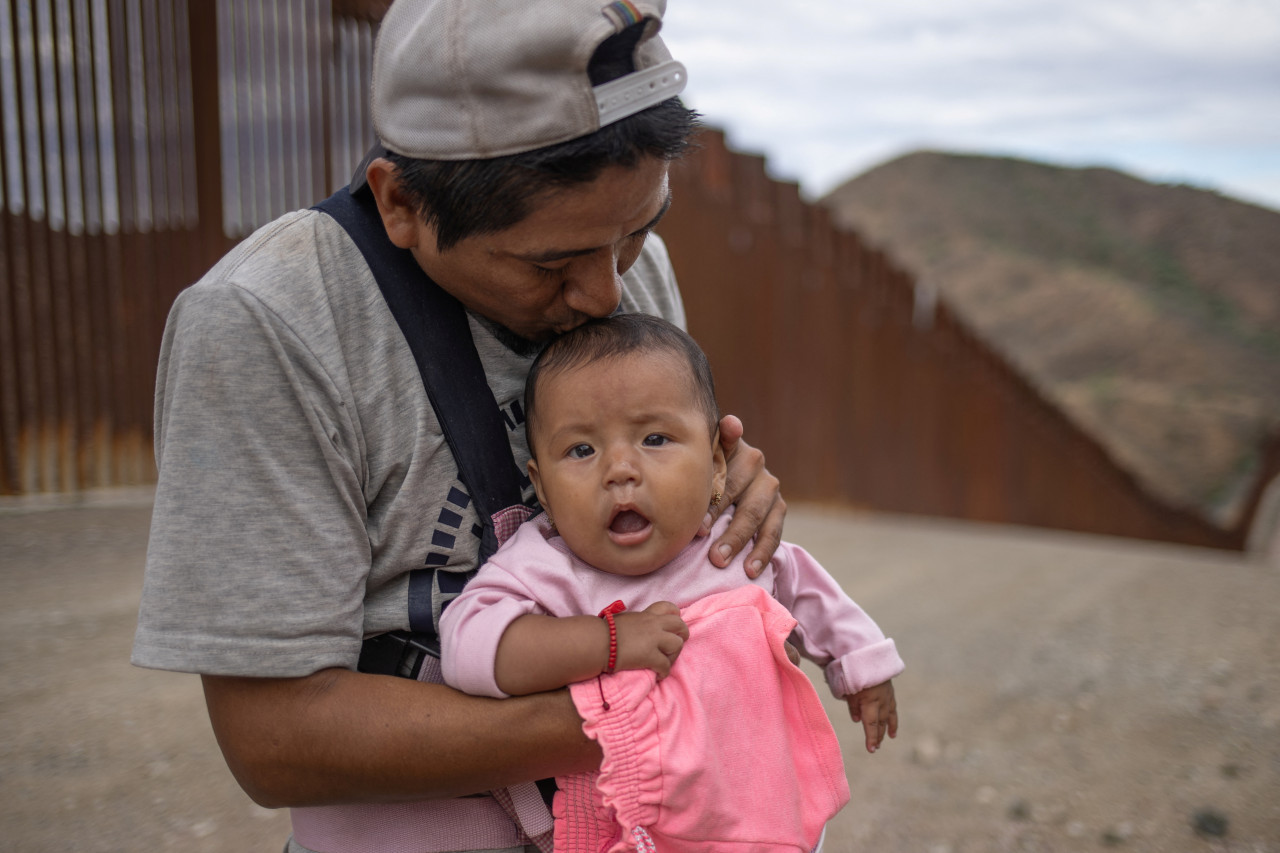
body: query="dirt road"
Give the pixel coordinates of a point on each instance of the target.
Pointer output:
(1062, 693)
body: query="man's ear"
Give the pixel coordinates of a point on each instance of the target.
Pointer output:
(399, 217)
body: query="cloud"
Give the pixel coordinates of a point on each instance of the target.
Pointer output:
(827, 89)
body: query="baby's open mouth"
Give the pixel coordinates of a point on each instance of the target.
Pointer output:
(628, 521)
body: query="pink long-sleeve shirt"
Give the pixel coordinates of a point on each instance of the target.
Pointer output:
(534, 572)
(734, 716)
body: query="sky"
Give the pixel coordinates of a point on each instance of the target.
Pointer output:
(1173, 91)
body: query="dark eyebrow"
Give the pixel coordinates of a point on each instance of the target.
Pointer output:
(560, 255)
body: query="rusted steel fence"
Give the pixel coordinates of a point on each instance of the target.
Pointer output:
(100, 227)
(142, 138)
(864, 389)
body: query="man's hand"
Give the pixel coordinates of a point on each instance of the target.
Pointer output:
(757, 497)
(877, 710)
(651, 638)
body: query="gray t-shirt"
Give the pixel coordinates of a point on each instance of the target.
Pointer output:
(303, 473)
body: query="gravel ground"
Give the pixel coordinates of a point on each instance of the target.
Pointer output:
(1062, 693)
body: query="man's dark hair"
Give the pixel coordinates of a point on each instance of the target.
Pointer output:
(614, 337)
(461, 198)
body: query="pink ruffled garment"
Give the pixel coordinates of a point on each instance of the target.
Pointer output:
(732, 752)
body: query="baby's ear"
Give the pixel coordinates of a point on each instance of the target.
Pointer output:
(720, 465)
(532, 467)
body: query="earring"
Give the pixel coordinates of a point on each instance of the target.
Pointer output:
(716, 497)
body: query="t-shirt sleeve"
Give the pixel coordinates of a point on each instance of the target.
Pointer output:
(832, 630)
(258, 553)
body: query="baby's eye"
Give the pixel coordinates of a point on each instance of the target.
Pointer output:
(580, 451)
(655, 440)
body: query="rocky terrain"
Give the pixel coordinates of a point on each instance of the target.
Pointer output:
(1150, 313)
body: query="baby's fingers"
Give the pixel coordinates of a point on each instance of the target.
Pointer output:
(666, 617)
(868, 713)
(670, 643)
(874, 729)
(877, 710)
(662, 608)
(661, 666)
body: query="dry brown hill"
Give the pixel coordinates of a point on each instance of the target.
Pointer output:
(1150, 312)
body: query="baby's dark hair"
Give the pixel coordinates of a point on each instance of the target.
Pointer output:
(619, 335)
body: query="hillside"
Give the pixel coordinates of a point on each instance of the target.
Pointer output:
(1151, 313)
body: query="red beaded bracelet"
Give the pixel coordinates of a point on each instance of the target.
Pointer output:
(607, 615)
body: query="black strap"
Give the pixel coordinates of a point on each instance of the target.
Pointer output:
(435, 326)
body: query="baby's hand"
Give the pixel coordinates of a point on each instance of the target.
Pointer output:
(877, 710)
(651, 638)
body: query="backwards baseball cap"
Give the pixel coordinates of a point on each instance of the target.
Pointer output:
(475, 79)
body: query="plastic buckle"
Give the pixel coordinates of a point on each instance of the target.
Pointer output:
(398, 653)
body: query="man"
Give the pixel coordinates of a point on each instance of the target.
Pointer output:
(305, 484)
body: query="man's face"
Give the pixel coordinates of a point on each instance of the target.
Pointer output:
(563, 263)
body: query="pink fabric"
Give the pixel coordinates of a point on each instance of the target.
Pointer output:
(584, 824)
(732, 752)
(430, 826)
(524, 804)
(535, 573)
(507, 521)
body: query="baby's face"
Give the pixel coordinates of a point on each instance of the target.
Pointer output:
(625, 461)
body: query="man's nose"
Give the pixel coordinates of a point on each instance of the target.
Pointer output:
(596, 286)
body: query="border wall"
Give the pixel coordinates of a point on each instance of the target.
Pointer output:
(143, 138)
(865, 389)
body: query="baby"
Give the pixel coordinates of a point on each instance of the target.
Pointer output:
(614, 578)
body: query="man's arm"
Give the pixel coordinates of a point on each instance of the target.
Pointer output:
(339, 736)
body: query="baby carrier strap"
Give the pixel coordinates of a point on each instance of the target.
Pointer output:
(436, 328)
